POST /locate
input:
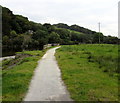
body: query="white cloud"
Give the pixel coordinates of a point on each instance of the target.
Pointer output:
(86, 13)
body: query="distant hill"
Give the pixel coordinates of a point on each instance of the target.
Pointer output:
(75, 28)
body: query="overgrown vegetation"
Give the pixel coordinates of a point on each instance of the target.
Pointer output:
(17, 74)
(90, 71)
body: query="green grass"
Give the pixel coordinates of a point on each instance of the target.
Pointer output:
(34, 53)
(90, 71)
(16, 79)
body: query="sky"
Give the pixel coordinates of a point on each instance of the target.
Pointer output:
(85, 13)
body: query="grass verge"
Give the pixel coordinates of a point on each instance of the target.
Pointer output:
(90, 71)
(17, 74)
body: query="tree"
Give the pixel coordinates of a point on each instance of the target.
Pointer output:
(36, 26)
(98, 36)
(62, 25)
(7, 16)
(54, 38)
(50, 28)
(26, 41)
(5, 40)
(13, 34)
(42, 37)
(64, 35)
(18, 41)
(110, 40)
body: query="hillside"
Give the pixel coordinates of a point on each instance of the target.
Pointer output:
(20, 34)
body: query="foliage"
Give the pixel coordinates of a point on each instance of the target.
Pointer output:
(54, 38)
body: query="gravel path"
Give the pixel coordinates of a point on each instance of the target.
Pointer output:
(46, 84)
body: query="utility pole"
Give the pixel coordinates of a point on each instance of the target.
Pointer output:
(99, 31)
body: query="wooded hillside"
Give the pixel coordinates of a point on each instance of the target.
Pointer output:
(19, 33)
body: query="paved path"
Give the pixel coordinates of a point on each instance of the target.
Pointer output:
(46, 84)
(9, 57)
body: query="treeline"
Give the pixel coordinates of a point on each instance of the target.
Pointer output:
(87, 36)
(20, 34)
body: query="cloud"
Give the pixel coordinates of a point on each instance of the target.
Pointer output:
(86, 13)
